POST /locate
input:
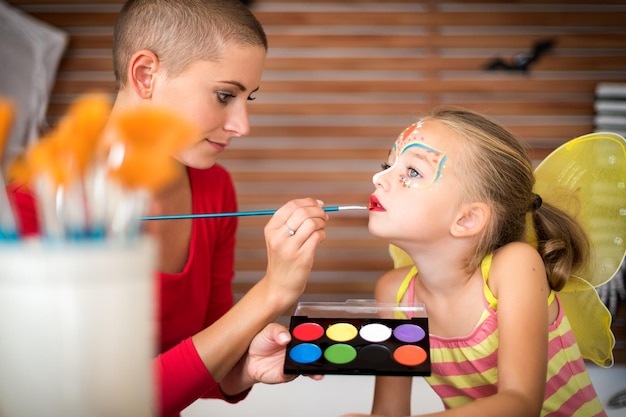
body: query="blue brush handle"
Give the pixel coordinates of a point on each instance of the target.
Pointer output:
(240, 213)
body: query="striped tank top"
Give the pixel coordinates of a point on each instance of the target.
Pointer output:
(464, 369)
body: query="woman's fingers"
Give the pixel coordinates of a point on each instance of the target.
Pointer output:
(299, 220)
(293, 213)
(292, 236)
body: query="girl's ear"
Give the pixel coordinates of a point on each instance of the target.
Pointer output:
(141, 71)
(471, 220)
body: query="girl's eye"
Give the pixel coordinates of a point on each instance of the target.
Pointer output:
(385, 166)
(413, 173)
(250, 98)
(223, 96)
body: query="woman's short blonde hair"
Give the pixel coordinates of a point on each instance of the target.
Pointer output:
(180, 32)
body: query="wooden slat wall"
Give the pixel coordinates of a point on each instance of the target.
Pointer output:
(344, 77)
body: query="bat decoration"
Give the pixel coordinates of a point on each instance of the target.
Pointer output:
(522, 61)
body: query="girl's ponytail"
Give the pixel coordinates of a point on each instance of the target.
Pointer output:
(561, 242)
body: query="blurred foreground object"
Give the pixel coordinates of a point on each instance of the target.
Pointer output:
(30, 53)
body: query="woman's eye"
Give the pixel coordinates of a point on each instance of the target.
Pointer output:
(385, 166)
(223, 97)
(250, 98)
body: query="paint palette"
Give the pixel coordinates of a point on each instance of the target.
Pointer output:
(358, 338)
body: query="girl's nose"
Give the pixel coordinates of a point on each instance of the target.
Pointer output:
(379, 178)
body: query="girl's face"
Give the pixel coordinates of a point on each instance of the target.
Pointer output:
(215, 96)
(416, 191)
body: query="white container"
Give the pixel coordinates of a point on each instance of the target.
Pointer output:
(77, 328)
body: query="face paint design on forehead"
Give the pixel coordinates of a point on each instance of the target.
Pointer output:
(405, 133)
(410, 134)
(429, 161)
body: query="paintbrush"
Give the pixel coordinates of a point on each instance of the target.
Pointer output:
(241, 213)
(139, 162)
(8, 227)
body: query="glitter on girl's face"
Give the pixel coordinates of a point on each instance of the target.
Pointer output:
(417, 164)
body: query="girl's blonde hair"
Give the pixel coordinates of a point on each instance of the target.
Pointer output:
(495, 168)
(180, 32)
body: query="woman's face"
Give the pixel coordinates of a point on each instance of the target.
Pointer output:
(214, 95)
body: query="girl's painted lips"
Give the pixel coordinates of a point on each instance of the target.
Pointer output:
(375, 204)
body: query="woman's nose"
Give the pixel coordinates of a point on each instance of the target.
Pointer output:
(238, 122)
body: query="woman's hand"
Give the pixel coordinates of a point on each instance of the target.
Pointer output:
(263, 361)
(292, 235)
(234, 361)
(266, 355)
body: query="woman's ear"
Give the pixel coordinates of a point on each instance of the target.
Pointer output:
(471, 220)
(141, 73)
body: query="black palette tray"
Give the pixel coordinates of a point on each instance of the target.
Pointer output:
(358, 345)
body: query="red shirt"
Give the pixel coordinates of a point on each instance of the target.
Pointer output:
(190, 300)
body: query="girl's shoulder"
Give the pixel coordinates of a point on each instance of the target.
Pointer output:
(388, 284)
(514, 259)
(513, 251)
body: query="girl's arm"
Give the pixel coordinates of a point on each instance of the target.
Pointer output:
(392, 395)
(519, 282)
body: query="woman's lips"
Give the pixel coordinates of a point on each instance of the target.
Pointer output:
(218, 146)
(375, 204)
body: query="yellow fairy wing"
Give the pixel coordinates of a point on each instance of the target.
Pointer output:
(399, 257)
(586, 177)
(582, 305)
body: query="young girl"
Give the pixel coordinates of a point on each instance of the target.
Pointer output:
(457, 196)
